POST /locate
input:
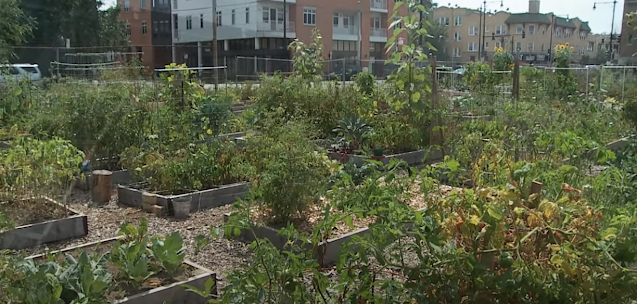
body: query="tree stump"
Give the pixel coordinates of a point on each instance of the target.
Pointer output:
(102, 186)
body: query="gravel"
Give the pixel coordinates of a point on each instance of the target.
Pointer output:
(220, 256)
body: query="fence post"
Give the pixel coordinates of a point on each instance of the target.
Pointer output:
(433, 141)
(623, 83)
(236, 69)
(516, 77)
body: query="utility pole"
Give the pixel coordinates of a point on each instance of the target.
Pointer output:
(360, 36)
(285, 27)
(215, 52)
(479, 36)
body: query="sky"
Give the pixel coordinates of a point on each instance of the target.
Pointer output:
(598, 19)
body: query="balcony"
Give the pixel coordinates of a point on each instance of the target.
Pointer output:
(378, 6)
(378, 35)
(275, 29)
(345, 31)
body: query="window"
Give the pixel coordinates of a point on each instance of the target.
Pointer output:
(519, 30)
(473, 47)
(543, 29)
(175, 21)
(443, 21)
(530, 46)
(247, 15)
(279, 16)
(591, 46)
(457, 21)
(175, 4)
(376, 23)
(335, 20)
(142, 4)
(128, 30)
(582, 35)
(531, 29)
(542, 47)
(486, 28)
(346, 21)
(266, 15)
(518, 46)
(486, 45)
(219, 23)
(567, 33)
(558, 32)
(473, 30)
(232, 17)
(500, 30)
(144, 27)
(127, 5)
(341, 45)
(200, 20)
(456, 52)
(189, 22)
(457, 37)
(155, 27)
(498, 44)
(309, 16)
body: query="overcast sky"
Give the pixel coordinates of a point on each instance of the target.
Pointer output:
(599, 19)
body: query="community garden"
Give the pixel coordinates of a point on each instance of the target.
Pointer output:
(304, 191)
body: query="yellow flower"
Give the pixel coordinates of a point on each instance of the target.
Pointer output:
(572, 49)
(566, 44)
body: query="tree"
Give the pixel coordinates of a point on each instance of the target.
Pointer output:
(15, 26)
(438, 39)
(74, 20)
(112, 29)
(601, 56)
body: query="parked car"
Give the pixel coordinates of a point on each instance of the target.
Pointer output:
(20, 71)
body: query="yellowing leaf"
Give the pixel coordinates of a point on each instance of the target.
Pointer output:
(474, 220)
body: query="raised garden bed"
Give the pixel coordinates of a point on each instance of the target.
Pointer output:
(131, 195)
(411, 158)
(39, 221)
(120, 177)
(327, 252)
(156, 290)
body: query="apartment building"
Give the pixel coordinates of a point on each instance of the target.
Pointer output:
(533, 34)
(264, 28)
(148, 26)
(627, 41)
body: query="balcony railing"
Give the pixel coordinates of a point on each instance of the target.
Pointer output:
(379, 4)
(379, 32)
(275, 26)
(351, 30)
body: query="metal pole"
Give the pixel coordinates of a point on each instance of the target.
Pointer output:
(215, 51)
(422, 42)
(551, 40)
(479, 35)
(611, 34)
(360, 35)
(484, 24)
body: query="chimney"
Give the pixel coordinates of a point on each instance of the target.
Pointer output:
(534, 6)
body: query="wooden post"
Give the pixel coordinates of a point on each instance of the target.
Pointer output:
(536, 187)
(436, 139)
(102, 186)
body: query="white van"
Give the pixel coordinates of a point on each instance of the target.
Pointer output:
(20, 71)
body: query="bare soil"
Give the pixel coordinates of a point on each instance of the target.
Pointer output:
(220, 256)
(32, 211)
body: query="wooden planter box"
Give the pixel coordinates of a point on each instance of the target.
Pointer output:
(73, 226)
(120, 177)
(174, 293)
(204, 199)
(613, 146)
(411, 158)
(332, 246)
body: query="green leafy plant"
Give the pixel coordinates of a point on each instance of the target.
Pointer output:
(170, 252)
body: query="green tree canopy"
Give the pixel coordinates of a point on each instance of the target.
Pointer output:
(15, 26)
